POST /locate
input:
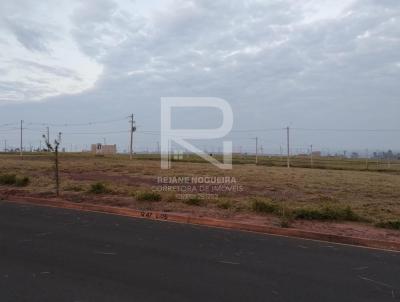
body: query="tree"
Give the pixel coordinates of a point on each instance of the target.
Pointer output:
(54, 148)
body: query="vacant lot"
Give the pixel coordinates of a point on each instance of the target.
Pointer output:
(373, 196)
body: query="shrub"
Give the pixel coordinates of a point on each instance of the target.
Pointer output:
(13, 180)
(193, 201)
(98, 188)
(22, 182)
(264, 207)
(327, 213)
(391, 224)
(74, 188)
(8, 179)
(224, 205)
(285, 222)
(148, 196)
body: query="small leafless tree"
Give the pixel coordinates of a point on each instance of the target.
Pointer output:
(54, 148)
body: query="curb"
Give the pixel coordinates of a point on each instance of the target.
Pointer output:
(210, 222)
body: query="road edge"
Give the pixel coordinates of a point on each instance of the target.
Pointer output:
(209, 222)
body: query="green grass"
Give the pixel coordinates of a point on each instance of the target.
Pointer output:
(148, 196)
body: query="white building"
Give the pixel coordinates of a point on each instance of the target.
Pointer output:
(104, 149)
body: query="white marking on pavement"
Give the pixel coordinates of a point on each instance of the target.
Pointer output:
(229, 262)
(105, 253)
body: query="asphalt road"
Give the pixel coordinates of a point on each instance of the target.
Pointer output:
(57, 255)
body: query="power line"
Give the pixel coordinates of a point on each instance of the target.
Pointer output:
(346, 130)
(78, 124)
(158, 131)
(89, 133)
(299, 129)
(9, 131)
(8, 124)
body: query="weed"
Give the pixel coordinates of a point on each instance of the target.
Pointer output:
(224, 205)
(8, 179)
(98, 188)
(193, 201)
(285, 222)
(260, 206)
(22, 182)
(327, 213)
(148, 196)
(13, 180)
(74, 188)
(391, 224)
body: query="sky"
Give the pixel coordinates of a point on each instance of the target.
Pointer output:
(318, 66)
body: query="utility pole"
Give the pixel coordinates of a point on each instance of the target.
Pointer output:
(57, 173)
(5, 145)
(367, 160)
(311, 156)
(256, 150)
(132, 129)
(48, 136)
(20, 151)
(288, 145)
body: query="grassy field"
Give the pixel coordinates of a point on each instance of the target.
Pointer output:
(296, 193)
(302, 161)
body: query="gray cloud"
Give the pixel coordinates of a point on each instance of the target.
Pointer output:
(31, 35)
(54, 71)
(262, 56)
(204, 46)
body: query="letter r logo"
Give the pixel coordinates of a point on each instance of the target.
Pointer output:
(180, 136)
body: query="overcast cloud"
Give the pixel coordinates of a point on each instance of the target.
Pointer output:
(310, 64)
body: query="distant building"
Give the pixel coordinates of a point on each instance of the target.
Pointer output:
(104, 149)
(317, 153)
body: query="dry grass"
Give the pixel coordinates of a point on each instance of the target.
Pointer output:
(374, 196)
